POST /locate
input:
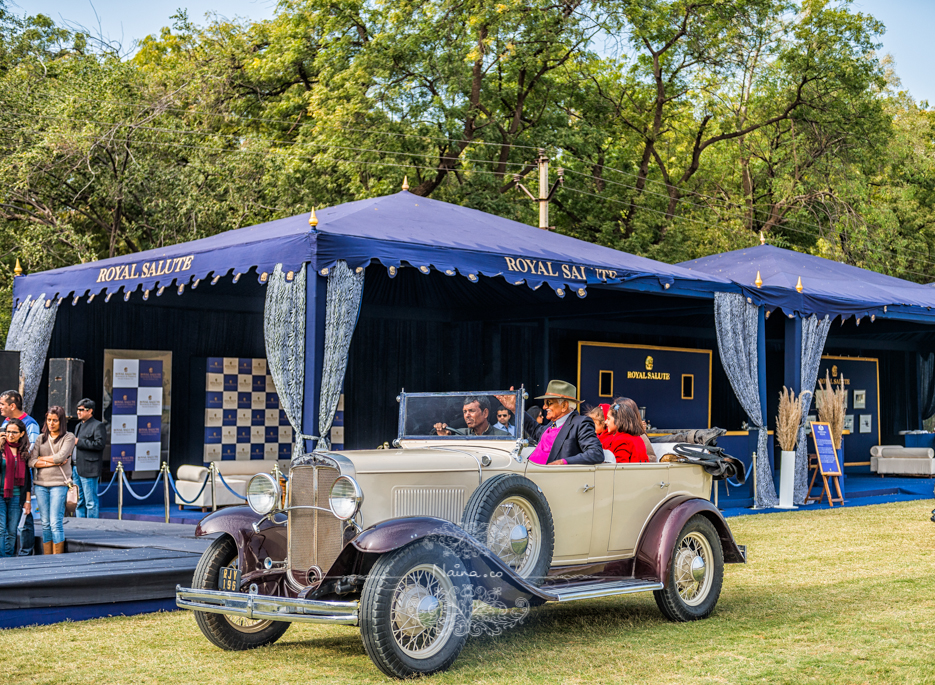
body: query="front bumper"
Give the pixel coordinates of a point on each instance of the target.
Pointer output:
(263, 607)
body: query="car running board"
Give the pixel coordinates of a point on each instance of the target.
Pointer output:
(605, 589)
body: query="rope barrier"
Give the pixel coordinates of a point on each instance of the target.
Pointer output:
(146, 496)
(747, 469)
(193, 499)
(232, 491)
(112, 479)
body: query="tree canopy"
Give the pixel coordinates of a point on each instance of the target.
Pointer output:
(683, 127)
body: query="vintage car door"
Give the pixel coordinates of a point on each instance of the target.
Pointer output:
(569, 491)
(638, 490)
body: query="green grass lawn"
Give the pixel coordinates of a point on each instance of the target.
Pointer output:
(835, 596)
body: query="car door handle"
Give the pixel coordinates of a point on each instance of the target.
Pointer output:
(588, 487)
(663, 484)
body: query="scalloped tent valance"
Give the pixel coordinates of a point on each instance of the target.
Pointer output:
(827, 287)
(400, 230)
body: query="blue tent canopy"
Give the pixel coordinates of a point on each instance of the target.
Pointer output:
(395, 230)
(828, 287)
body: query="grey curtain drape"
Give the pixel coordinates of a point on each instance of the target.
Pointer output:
(927, 385)
(29, 334)
(345, 289)
(814, 334)
(284, 329)
(736, 322)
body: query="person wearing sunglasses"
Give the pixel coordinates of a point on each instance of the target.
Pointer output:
(16, 482)
(566, 437)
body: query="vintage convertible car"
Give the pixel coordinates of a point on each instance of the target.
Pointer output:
(408, 543)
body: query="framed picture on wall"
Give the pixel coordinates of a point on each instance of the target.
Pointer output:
(849, 422)
(860, 399)
(866, 423)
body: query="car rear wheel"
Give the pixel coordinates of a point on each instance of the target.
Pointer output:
(233, 633)
(695, 575)
(511, 516)
(415, 610)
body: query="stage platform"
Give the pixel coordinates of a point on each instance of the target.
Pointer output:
(111, 568)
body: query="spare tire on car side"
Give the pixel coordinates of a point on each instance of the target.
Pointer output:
(511, 516)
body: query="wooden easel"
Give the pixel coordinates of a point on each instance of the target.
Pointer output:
(826, 463)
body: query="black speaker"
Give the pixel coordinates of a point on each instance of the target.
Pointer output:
(66, 384)
(9, 371)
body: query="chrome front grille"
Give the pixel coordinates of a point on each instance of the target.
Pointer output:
(443, 503)
(315, 536)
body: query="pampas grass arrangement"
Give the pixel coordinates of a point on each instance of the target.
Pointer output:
(788, 419)
(831, 407)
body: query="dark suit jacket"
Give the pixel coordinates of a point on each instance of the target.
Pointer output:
(89, 446)
(576, 443)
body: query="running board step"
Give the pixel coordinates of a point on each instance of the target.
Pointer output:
(606, 589)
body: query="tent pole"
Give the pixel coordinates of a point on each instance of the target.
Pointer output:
(315, 292)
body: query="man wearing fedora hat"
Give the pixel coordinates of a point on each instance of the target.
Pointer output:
(565, 437)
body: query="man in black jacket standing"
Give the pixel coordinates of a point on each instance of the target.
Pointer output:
(565, 437)
(89, 449)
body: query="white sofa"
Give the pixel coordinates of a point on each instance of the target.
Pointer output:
(237, 474)
(908, 461)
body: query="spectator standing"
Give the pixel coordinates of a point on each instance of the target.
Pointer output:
(51, 457)
(11, 407)
(89, 449)
(15, 482)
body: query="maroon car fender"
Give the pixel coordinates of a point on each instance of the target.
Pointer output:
(252, 547)
(483, 567)
(654, 551)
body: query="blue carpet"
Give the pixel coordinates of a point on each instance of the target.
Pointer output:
(155, 513)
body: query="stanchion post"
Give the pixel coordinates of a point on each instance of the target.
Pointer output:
(165, 484)
(214, 486)
(120, 491)
(755, 505)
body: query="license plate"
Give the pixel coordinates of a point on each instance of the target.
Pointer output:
(229, 580)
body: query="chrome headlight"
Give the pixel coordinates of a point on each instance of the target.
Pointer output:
(263, 494)
(345, 498)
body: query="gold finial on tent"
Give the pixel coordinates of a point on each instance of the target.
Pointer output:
(405, 183)
(313, 220)
(18, 270)
(759, 281)
(762, 238)
(798, 286)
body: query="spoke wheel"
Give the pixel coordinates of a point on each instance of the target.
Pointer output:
(415, 610)
(511, 516)
(421, 611)
(695, 575)
(229, 632)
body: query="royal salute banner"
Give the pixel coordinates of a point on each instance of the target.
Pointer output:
(672, 384)
(136, 390)
(243, 419)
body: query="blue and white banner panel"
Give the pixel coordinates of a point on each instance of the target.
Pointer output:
(136, 390)
(243, 419)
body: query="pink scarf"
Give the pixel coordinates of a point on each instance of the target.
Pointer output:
(540, 455)
(15, 475)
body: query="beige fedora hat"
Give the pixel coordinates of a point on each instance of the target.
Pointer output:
(560, 390)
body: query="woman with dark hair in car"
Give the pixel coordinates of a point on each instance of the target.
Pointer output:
(623, 436)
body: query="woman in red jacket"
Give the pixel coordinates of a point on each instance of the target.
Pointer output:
(623, 436)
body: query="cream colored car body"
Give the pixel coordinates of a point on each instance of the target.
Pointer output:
(599, 512)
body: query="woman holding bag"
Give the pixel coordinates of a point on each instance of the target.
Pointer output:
(51, 457)
(15, 481)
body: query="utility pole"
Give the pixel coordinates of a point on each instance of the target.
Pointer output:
(545, 193)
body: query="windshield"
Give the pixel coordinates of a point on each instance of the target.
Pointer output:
(448, 415)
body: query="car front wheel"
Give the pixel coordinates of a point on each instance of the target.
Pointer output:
(695, 575)
(415, 610)
(233, 633)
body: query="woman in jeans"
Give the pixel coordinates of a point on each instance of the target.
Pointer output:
(15, 482)
(51, 457)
